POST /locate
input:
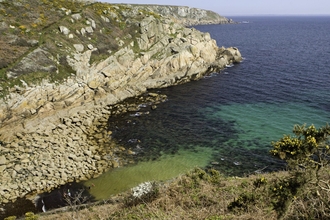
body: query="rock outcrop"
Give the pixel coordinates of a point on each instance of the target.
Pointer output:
(161, 54)
(88, 62)
(186, 15)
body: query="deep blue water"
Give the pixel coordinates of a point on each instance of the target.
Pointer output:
(283, 80)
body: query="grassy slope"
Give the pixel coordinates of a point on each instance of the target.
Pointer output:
(208, 195)
(23, 21)
(28, 24)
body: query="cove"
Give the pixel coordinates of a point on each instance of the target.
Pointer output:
(235, 116)
(198, 128)
(166, 167)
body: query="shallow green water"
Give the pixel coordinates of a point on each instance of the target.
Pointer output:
(164, 168)
(261, 123)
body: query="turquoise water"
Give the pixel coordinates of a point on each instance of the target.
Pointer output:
(164, 168)
(265, 122)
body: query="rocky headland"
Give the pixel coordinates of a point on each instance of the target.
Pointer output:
(187, 16)
(66, 67)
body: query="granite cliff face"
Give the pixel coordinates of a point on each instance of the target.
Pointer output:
(106, 54)
(66, 68)
(186, 15)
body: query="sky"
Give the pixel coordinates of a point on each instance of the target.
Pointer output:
(246, 7)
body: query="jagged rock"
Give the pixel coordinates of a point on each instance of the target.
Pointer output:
(3, 160)
(39, 60)
(114, 164)
(79, 47)
(72, 157)
(83, 31)
(92, 22)
(76, 16)
(2, 168)
(62, 126)
(90, 46)
(105, 19)
(188, 16)
(93, 84)
(18, 168)
(13, 174)
(33, 42)
(64, 30)
(89, 29)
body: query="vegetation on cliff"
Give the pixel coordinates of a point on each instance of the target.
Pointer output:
(27, 25)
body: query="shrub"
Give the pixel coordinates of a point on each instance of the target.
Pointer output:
(307, 149)
(243, 202)
(306, 153)
(31, 216)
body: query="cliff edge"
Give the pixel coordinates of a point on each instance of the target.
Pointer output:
(185, 15)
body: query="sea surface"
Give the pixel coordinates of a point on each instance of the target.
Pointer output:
(229, 119)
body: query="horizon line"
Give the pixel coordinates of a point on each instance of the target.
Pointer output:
(241, 15)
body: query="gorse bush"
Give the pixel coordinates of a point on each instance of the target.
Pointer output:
(307, 155)
(304, 193)
(309, 148)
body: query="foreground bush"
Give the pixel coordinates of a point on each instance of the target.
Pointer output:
(305, 194)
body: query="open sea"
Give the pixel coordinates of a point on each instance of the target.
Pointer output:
(229, 119)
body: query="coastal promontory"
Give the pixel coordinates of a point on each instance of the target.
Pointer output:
(64, 68)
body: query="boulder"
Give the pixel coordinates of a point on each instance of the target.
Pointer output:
(64, 30)
(79, 47)
(3, 160)
(89, 29)
(2, 168)
(93, 84)
(76, 16)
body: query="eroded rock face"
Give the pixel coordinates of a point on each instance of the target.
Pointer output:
(75, 148)
(188, 16)
(166, 60)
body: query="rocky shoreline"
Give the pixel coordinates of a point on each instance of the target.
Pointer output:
(53, 133)
(76, 149)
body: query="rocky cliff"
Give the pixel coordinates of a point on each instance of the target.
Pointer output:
(186, 15)
(65, 65)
